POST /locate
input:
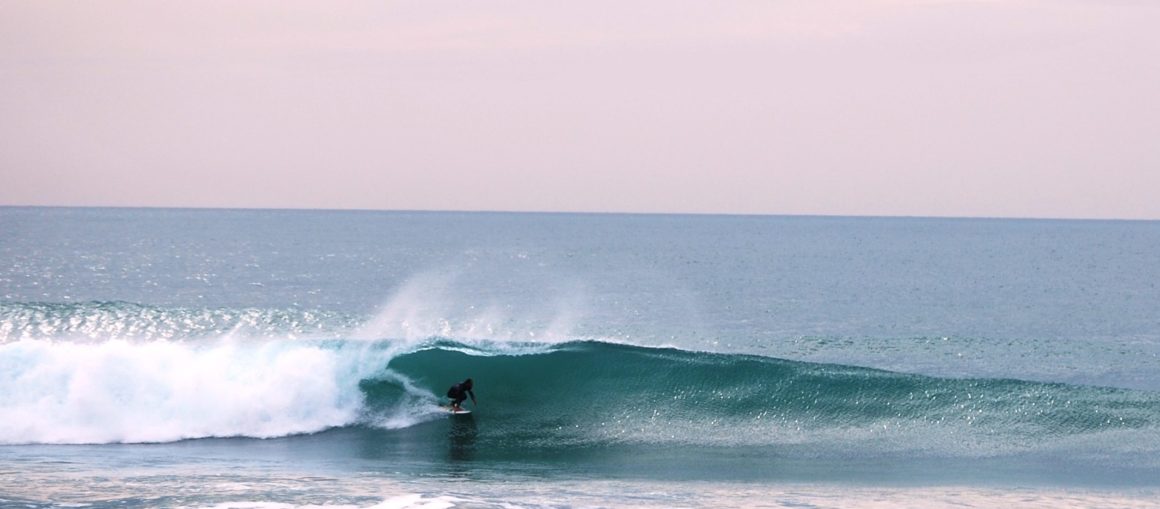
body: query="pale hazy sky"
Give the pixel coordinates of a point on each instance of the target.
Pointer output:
(876, 107)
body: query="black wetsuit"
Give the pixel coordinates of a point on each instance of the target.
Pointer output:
(459, 392)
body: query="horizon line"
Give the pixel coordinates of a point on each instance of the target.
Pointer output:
(577, 212)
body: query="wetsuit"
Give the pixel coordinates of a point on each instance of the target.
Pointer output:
(459, 392)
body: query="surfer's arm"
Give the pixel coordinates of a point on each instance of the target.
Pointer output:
(472, 394)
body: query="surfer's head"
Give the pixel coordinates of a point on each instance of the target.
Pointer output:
(467, 383)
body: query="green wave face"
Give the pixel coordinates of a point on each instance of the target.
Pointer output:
(596, 394)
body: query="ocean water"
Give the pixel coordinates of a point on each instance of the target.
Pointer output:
(275, 359)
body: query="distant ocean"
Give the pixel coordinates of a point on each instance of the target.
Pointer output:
(277, 359)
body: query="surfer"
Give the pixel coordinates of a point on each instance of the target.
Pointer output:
(460, 392)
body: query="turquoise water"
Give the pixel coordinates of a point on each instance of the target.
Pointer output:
(207, 357)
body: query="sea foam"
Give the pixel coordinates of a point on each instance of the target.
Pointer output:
(156, 391)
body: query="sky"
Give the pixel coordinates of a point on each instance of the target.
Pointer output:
(976, 108)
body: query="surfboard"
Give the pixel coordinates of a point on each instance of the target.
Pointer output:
(461, 411)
